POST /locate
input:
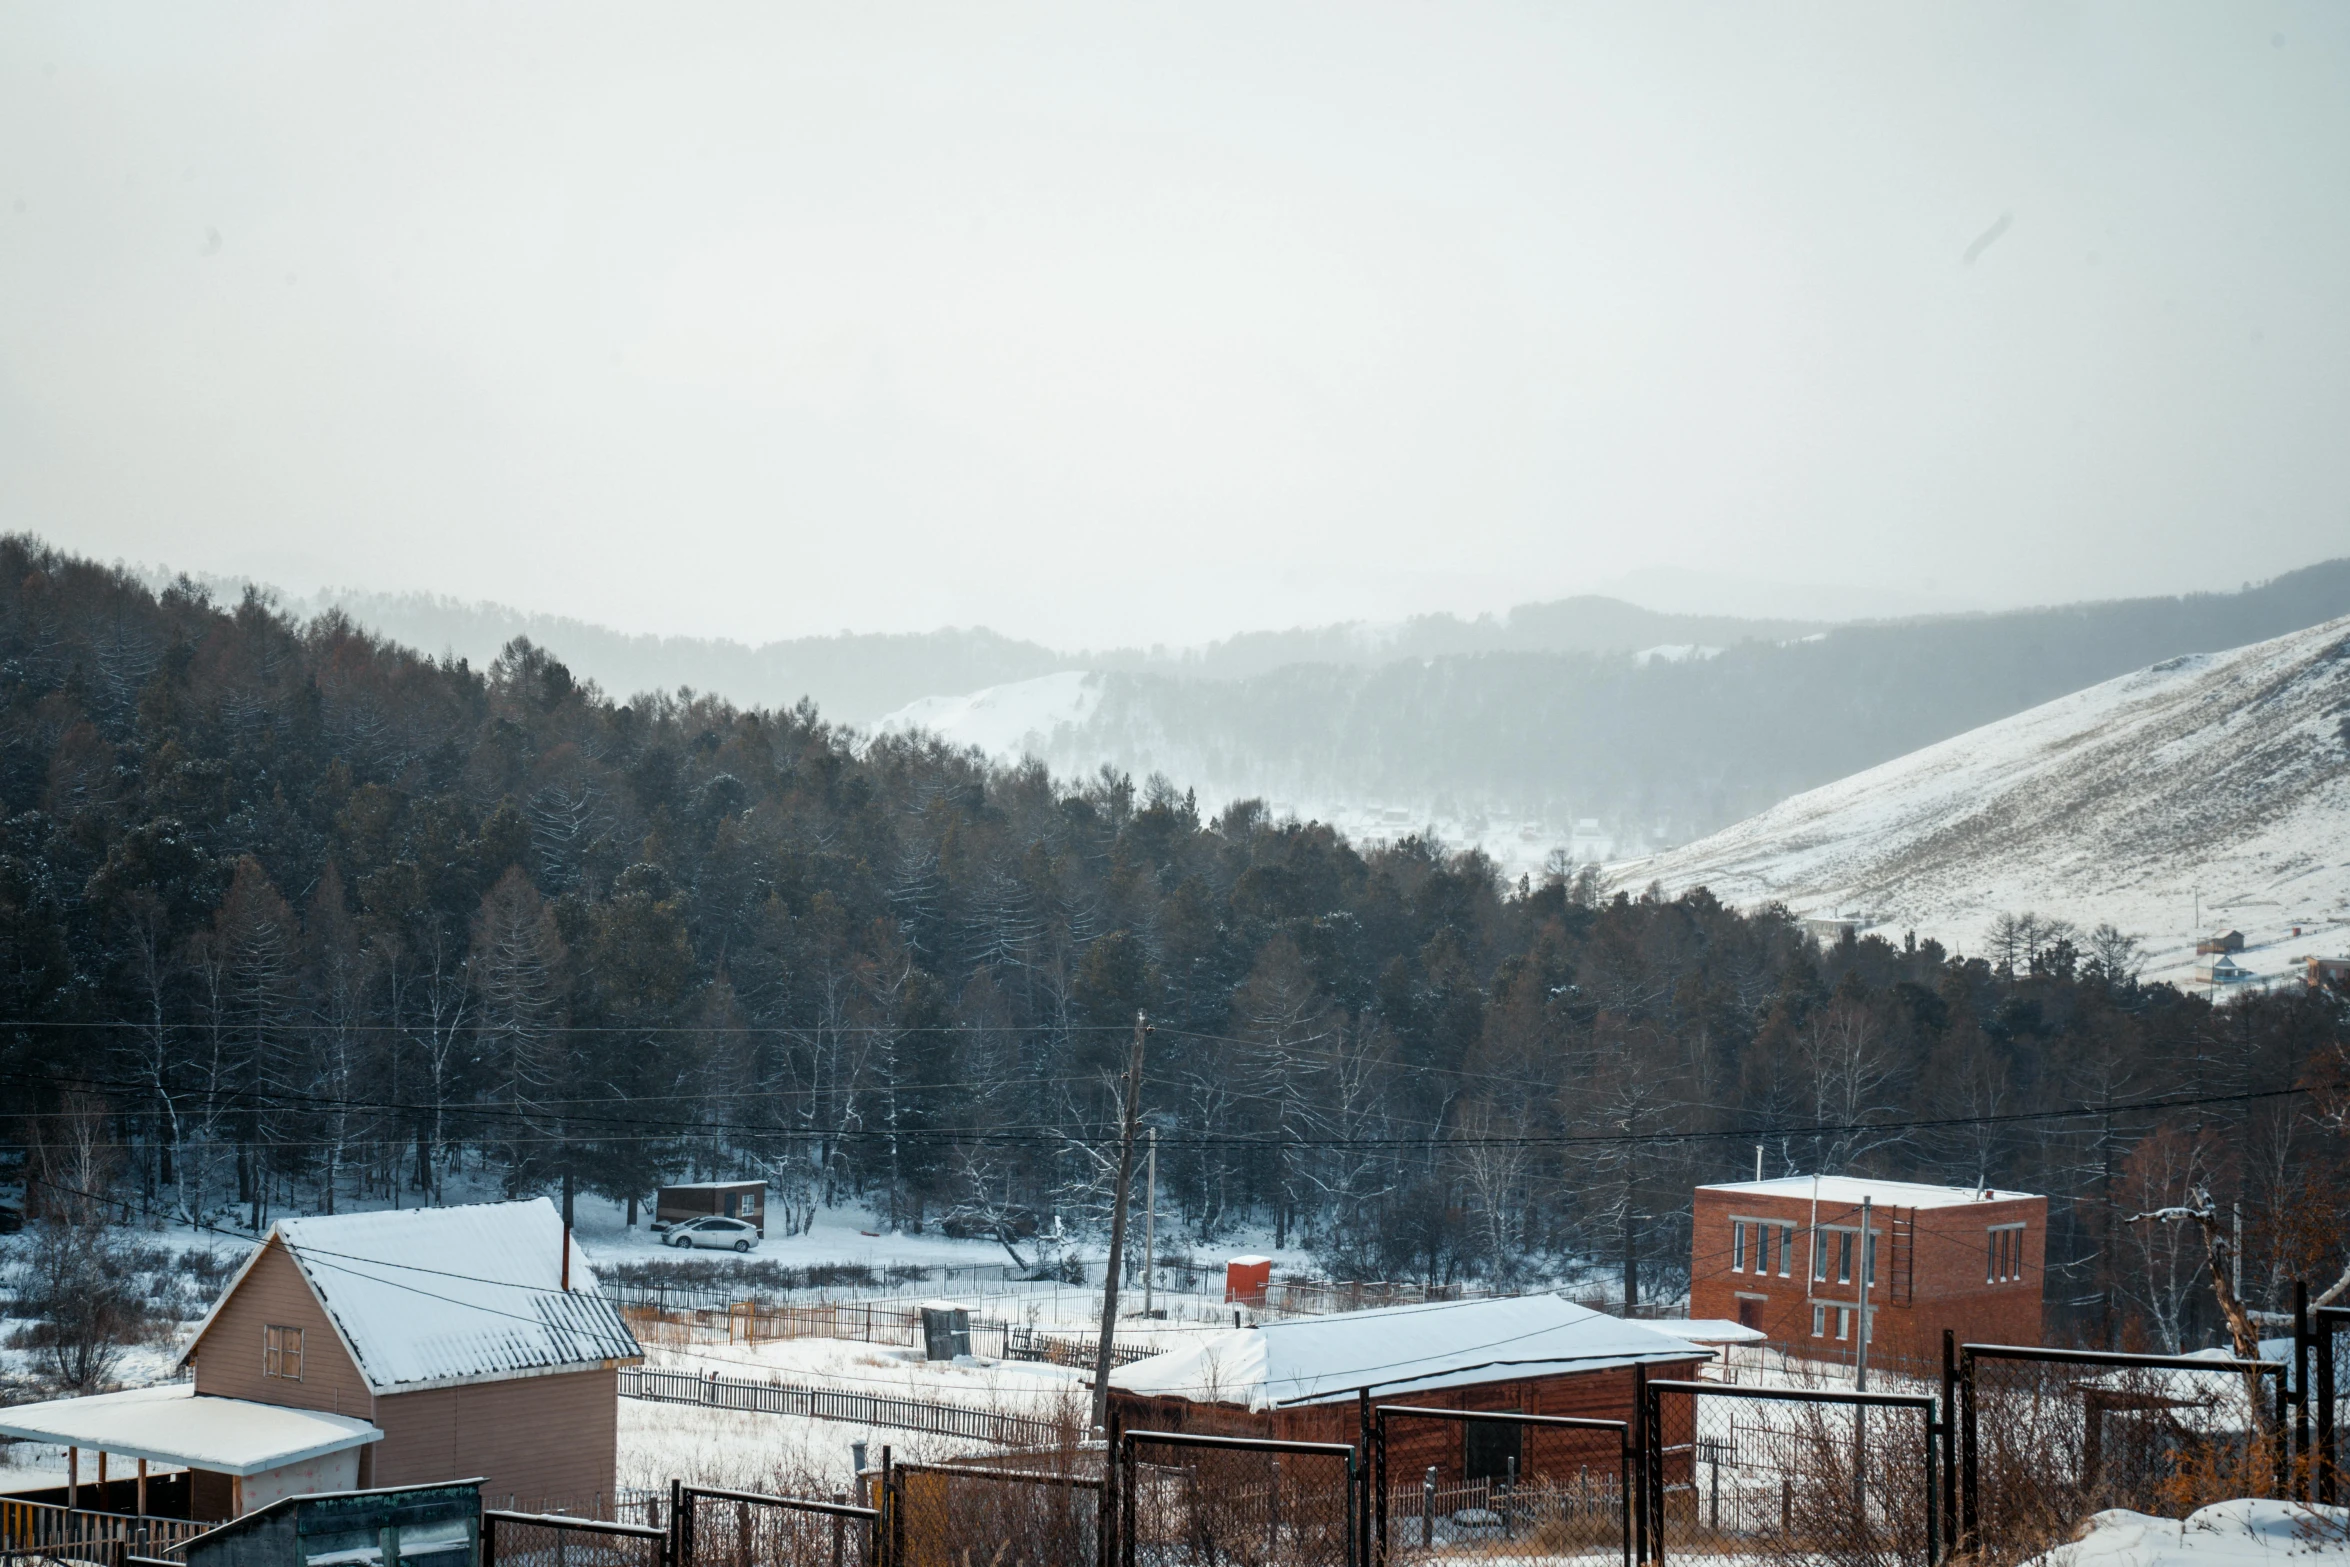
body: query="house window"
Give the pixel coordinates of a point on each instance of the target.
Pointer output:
(1762, 1248)
(1819, 1322)
(1819, 1257)
(1786, 1248)
(1870, 1250)
(1844, 1322)
(2006, 1254)
(1843, 1259)
(1737, 1248)
(281, 1353)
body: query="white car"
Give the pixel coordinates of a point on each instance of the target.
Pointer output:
(714, 1231)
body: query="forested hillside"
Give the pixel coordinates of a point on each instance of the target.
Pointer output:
(301, 918)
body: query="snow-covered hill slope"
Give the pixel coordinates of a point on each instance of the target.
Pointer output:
(2217, 782)
(1020, 717)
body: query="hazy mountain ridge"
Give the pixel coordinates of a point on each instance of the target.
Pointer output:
(1658, 752)
(859, 677)
(2219, 781)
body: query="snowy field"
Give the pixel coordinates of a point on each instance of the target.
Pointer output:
(1013, 1387)
(786, 1455)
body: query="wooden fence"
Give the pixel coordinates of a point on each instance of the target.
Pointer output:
(47, 1528)
(824, 1403)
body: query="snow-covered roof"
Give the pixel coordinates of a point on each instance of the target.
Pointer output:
(713, 1186)
(430, 1297)
(1846, 1191)
(1705, 1330)
(169, 1424)
(1399, 1349)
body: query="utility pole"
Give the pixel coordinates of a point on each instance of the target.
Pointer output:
(2236, 1252)
(1133, 1114)
(1150, 1221)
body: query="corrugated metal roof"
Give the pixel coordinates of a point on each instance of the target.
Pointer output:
(428, 1296)
(1400, 1349)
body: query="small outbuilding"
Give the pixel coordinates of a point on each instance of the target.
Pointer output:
(418, 1525)
(1302, 1380)
(744, 1200)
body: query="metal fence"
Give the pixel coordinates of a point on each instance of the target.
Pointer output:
(2328, 1326)
(554, 1540)
(948, 1515)
(1185, 1499)
(2049, 1436)
(1800, 1475)
(1471, 1485)
(823, 1403)
(715, 1528)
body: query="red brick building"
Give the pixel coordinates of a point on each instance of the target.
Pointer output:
(1786, 1257)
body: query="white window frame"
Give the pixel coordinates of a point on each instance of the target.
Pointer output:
(2004, 1248)
(1737, 1245)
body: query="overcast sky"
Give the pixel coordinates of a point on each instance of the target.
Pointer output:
(1113, 323)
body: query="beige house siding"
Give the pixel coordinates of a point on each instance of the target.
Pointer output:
(274, 1294)
(542, 1440)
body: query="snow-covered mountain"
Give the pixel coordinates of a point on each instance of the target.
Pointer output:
(2214, 787)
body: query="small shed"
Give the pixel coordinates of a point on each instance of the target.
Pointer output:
(427, 1525)
(1246, 1281)
(744, 1200)
(1302, 1380)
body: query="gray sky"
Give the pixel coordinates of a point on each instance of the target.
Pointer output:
(1108, 323)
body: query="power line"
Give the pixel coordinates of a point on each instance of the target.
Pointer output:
(1019, 1136)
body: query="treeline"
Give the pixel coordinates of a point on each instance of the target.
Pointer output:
(293, 918)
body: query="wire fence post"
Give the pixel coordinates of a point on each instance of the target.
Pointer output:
(2303, 1343)
(1637, 1502)
(1970, 1478)
(2327, 1318)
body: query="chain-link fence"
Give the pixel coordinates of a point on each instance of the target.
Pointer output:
(2330, 1326)
(1475, 1485)
(716, 1528)
(552, 1540)
(2048, 1437)
(1799, 1475)
(1207, 1501)
(944, 1515)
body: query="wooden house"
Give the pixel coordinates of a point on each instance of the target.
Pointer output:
(463, 1334)
(1306, 1379)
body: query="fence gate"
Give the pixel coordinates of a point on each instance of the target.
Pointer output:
(558, 1540)
(2049, 1436)
(2328, 1325)
(1464, 1485)
(1796, 1474)
(946, 1514)
(1230, 1499)
(714, 1528)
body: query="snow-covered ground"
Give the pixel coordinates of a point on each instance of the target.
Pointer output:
(786, 1455)
(2211, 788)
(2243, 1533)
(1011, 1387)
